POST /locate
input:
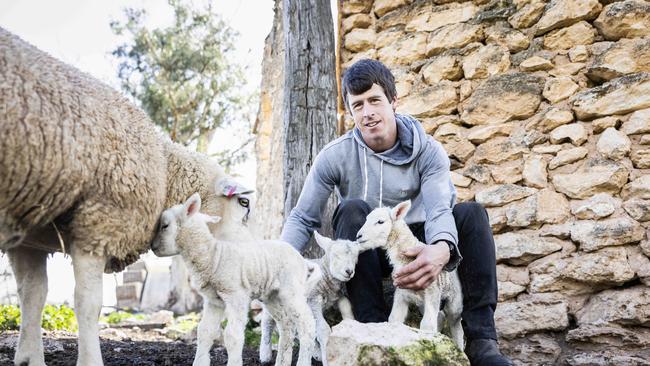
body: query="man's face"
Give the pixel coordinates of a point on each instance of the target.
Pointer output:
(374, 116)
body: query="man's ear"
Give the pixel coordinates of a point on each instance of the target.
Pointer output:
(192, 205)
(322, 241)
(399, 212)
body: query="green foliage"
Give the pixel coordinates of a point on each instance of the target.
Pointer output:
(186, 322)
(117, 317)
(184, 75)
(54, 318)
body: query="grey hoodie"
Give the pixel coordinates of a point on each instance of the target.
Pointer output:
(415, 168)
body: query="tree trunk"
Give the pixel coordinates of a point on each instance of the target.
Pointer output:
(309, 106)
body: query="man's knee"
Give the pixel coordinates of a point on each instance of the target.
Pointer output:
(473, 211)
(351, 213)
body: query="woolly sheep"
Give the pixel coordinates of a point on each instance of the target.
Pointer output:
(85, 171)
(386, 227)
(337, 267)
(229, 274)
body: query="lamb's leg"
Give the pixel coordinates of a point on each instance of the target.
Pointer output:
(236, 313)
(30, 271)
(303, 324)
(266, 353)
(88, 270)
(454, 308)
(345, 307)
(286, 331)
(322, 332)
(208, 331)
(400, 308)
(432, 298)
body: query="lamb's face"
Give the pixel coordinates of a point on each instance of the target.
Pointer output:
(164, 245)
(377, 227)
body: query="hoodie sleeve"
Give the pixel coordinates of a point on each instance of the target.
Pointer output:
(306, 216)
(438, 195)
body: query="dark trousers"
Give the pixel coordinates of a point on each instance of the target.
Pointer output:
(477, 270)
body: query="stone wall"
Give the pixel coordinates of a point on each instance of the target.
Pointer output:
(544, 110)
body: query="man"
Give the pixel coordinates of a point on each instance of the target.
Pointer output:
(388, 158)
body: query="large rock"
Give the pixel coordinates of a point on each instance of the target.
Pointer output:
(629, 306)
(640, 158)
(512, 281)
(486, 61)
(522, 247)
(453, 36)
(581, 33)
(515, 319)
(574, 132)
(638, 123)
(356, 21)
(626, 56)
(406, 51)
(552, 207)
(601, 124)
(561, 13)
(638, 188)
(568, 156)
(625, 19)
(381, 7)
(608, 266)
(618, 96)
(426, 18)
(553, 118)
(594, 176)
(639, 263)
(430, 102)
(499, 195)
(505, 36)
(535, 63)
(610, 335)
(613, 144)
(593, 235)
(359, 40)
(528, 14)
(356, 6)
(557, 89)
(442, 67)
(534, 172)
(535, 349)
(503, 98)
(522, 213)
(352, 343)
(638, 209)
(481, 134)
(507, 173)
(596, 207)
(498, 150)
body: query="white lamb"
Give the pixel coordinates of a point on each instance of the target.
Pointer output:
(230, 274)
(386, 228)
(337, 266)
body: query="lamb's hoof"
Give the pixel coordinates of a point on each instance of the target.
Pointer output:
(265, 355)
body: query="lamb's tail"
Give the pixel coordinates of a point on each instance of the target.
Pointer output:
(314, 275)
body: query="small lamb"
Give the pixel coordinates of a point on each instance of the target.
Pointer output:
(229, 274)
(386, 228)
(337, 267)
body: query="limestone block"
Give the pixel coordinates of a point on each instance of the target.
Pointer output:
(522, 247)
(594, 176)
(645, 140)
(596, 207)
(626, 306)
(460, 180)
(554, 118)
(522, 213)
(507, 173)
(360, 40)
(431, 101)
(613, 144)
(638, 209)
(639, 263)
(356, 21)
(557, 89)
(389, 37)
(432, 18)
(536, 63)
(581, 33)
(453, 36)
(499, 195)
(623, 57)
(381, 7)
(552, 207)
(640, 158)
(625, 19)
(571, 68)
(478, 172)
(618, 96)
(503, 98)
(601, 124)
(609, 335)
(562, 13)
(574, 132)
(499, 150)
(594, 235)
(481, 134)
(353, 343)
(405, 51)
(498, 219)
(607, 266)
(536, 349)
(356, 6)
(442, 67)
(459, 148)
(638, 188)
(547, 149)
(502, 35)
(534, 172)
(579, 54)
(527, 15)
(530, 316)
(638, 123)
(486, 61)
(512, 281)
(568, 156)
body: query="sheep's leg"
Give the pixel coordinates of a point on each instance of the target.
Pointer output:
(266, 352)
(454, 309)
(306, 329)
(432, 298)
(208, 331)
(400, 308)
(322, 333)
(30, 271)
(286, 331)
(345, 307)
(234, 335)
(88, 270)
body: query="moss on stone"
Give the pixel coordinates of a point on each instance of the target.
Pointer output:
(440, 351)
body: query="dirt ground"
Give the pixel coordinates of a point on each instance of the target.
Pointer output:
(124, 347)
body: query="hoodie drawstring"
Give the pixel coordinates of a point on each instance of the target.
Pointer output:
(381, 182)
(365, 174)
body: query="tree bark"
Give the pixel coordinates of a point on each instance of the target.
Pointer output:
(309, 107)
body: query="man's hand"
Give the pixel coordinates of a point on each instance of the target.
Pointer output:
(429, 262)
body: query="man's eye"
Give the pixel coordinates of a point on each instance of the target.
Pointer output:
(380, 222)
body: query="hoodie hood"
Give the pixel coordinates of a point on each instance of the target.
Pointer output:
(410, 136)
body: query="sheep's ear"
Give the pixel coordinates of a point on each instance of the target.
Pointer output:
(192, 205)
(399, 212)
(322, 241)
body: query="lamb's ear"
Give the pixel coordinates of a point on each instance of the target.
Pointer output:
(399, 212)
(322, 241)
(192, 205)
(211, 219)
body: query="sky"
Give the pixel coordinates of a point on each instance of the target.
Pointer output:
(78, 33)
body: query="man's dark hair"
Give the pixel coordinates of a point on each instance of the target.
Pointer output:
(362, 74)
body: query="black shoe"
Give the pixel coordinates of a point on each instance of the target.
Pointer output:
(485, 352)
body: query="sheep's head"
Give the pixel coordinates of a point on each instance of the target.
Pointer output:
(342, 255)
(173, 219)
(379, 224)
(235, 206)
